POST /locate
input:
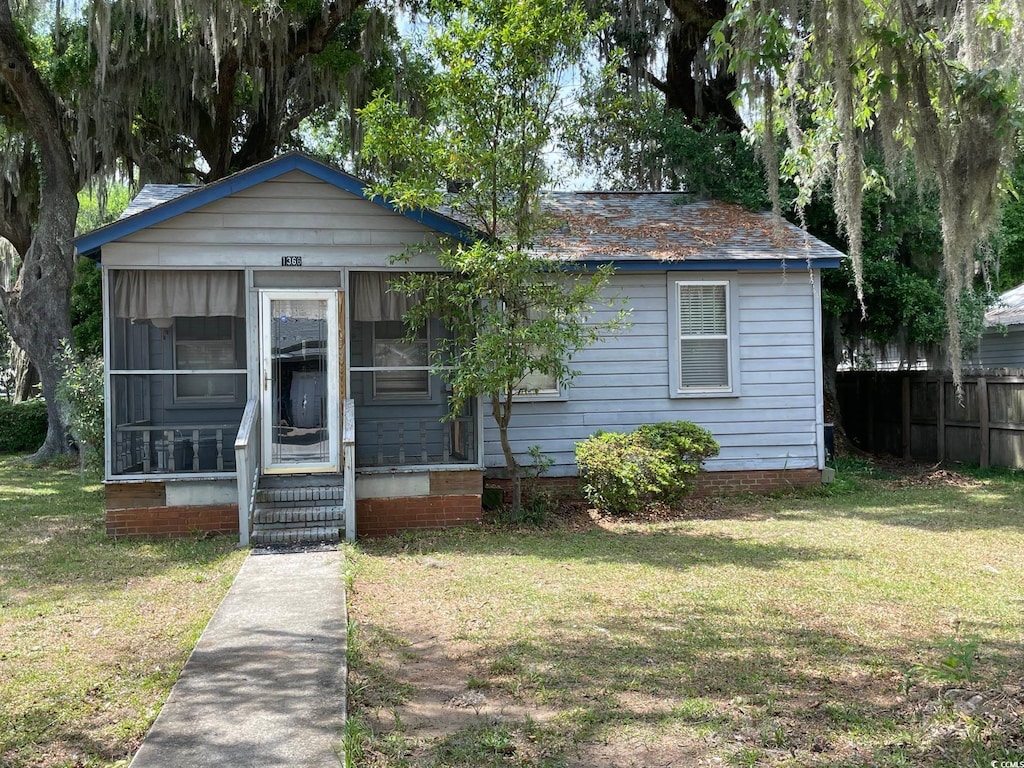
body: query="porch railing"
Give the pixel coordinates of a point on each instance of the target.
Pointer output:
(404, 442)
(247, 464)
(170, 449)
(348, 443)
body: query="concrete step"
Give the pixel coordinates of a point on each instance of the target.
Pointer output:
(273, 514)
(264, 537)
(302, 496)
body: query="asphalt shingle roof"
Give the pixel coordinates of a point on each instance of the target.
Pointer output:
(1008, 309)
(630, 226)
(152, 195)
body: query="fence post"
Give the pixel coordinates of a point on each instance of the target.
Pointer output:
(940, 421)
(982, 398)
(906, 418)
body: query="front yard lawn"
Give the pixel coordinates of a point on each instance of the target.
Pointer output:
(93, 631)
(875, 623)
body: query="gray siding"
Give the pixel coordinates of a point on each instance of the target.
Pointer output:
(999, 349)
(774, 421)
(294, 215)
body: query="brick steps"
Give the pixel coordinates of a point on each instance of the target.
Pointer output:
(262, 538)
(298, 511)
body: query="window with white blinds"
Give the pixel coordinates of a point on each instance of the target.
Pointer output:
(537, 385)
(704, 353)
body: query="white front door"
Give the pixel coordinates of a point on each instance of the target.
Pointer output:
(299, 381)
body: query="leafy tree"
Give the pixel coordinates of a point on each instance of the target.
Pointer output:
(509, 312)
(96, 208)
(939, 83)
(1009, 240)
(36, 309)
(221, 85)
(192, 88)
(80, 395)
(665, 47)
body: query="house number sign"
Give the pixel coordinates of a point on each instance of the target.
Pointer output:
(291, 261)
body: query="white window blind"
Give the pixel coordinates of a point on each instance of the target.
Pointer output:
(703, 336)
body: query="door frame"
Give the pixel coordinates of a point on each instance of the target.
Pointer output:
(333, 463)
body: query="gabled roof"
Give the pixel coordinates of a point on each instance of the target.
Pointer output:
(1008, 309)
(159, 202)
(632, 229)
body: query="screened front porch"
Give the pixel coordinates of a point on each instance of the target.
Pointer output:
(401, 408)
(178, 383)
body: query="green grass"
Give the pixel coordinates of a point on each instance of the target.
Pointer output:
(93, 631)
(810, 629)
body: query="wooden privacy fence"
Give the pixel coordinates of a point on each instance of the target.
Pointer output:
(917, 415)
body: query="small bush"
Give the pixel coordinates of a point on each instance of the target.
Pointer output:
(654, 463)
(22, 425)
(80, 395)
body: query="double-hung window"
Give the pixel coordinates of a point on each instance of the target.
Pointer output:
(205, 344)
(703, 353)
(536, 385)
(400, 364)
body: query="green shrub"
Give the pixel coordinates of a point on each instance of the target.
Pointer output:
(654, 463)
(22, 425)
(80, 395)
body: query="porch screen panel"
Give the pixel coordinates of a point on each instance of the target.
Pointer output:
(176, 369)
(299, 331)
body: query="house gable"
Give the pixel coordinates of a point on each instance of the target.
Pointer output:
(241, 185)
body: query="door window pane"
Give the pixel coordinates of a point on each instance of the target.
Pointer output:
(299, 331)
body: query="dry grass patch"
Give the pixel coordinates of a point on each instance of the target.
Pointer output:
(94, 631)
(801, 630)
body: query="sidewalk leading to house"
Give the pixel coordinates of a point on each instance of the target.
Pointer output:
(265, 685)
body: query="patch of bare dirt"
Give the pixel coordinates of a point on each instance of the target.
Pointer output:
(933, 477)
(579, 516)
(439, 673)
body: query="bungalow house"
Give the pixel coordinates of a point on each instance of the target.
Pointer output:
(258, 379)
(1001, 345)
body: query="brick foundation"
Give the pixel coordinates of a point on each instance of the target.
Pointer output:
(136, 510)
(170, 522)
(383, 517)
(756, 481)
(708, 483)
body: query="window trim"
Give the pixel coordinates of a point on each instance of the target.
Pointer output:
(675, 390)
(542, 395)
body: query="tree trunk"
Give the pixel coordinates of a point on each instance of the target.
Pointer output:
(37, 310)
(832, 345)
(26, 376)
(707, 99)
(502, 413)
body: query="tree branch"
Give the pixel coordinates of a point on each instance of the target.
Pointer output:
(647, 75)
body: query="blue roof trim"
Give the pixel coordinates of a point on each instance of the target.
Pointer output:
(715, 265)
(89, 243)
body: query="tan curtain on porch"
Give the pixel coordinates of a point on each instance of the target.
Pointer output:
(373, 299)
(159, 296)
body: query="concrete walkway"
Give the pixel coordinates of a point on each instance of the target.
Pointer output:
(265, 685)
